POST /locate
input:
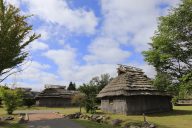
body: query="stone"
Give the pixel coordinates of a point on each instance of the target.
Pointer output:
(7, 118)
(152, 126)
(73, 116)
(116, 122)
(99, 119)
(22, 119)
(94, 117)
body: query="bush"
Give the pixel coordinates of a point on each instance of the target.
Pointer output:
(11, 99)
(90, 92)
(28, 102)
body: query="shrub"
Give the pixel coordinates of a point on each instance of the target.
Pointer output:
(11, 99)
(28, 102)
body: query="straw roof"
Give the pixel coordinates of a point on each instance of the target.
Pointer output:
(56, 93)
(130, 81)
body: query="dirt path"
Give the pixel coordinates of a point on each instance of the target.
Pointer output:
(50, 120)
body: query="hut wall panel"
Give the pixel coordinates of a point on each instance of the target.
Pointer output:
(148, 104)
(136, 104)
(54, 102)
(116, 105)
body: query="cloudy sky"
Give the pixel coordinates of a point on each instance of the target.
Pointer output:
(81, 39)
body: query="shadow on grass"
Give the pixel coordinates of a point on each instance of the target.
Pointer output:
(11, 125)
(140, 124)
(172, 113)
(92, 124)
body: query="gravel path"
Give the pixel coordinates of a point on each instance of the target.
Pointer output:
(50, 120)
(35, 111)
(54, 123)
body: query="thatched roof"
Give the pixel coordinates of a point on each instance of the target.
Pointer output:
(56, 93)
(28, 93)
(130, 81)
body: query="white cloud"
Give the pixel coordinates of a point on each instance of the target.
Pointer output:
(38, 45)
(58, 12)
(14, 2)
(131, 22)
(106, 50)
(63, 57)
(44, 33)
(35, 75)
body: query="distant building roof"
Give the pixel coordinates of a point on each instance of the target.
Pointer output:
(56, 91)
(54, 86)
(28, 93)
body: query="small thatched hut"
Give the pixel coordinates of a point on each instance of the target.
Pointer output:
(55, 96)
(131, 92)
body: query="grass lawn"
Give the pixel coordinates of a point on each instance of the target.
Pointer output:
(9, 124)
(181, 117)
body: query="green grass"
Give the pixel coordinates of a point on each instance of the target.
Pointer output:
(2, 111)
(181, 117)
(11, 125)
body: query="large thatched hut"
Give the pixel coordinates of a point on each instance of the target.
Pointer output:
(131, 92)
(55, 96)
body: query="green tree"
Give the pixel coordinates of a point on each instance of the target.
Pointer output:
(101, 81)
(90, 92)
(79, 99)
(185, 89)
(171, 47)
(71, 86)
(11, 99)
(15, 35)
(162, 81)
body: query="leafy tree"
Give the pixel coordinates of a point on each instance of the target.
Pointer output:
(90, 92)
(79, 99)
(162, 81)
(171, 47)
(15, 35)
(185, 89)
(71, 86)
(101, 81)
(28, 102)
(11, 99)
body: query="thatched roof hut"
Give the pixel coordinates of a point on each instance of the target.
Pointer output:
(131, 92)
(55, 96)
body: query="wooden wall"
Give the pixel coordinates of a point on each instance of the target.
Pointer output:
(53, 102)
(136, 104)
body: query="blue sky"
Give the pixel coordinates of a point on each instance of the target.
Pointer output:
(85, 38)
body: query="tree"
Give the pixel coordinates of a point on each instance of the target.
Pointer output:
(71, 86)
(15, 35)
(101, 81)
(79, 99)
(162, 81)
(171, 47)
(90, 92)
(11, 99)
